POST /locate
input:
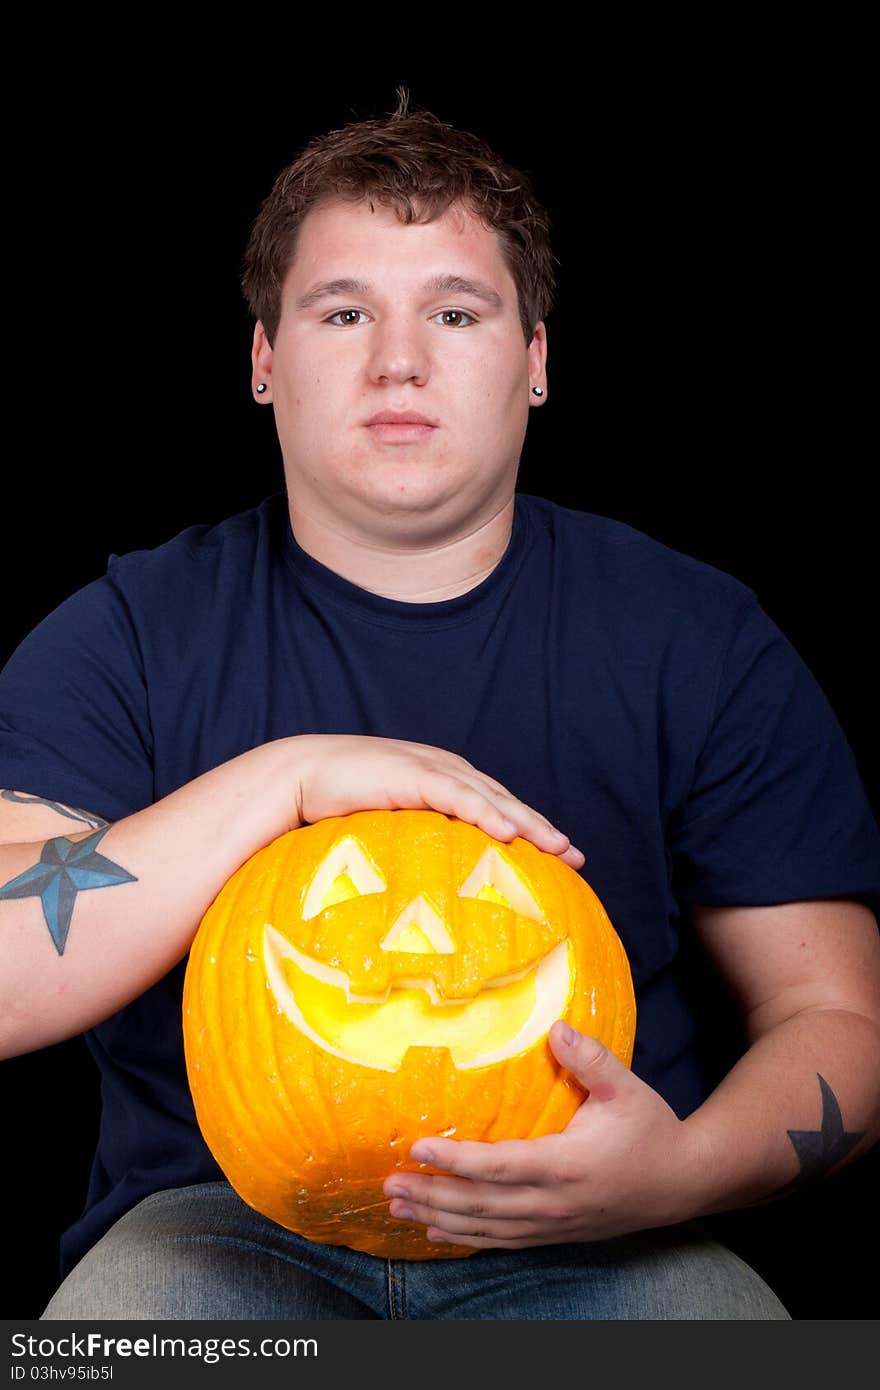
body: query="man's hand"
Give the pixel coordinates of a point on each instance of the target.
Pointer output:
(625, 1162)
(342, 773)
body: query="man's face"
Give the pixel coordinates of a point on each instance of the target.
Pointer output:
(396, 343)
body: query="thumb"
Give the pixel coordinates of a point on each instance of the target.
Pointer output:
(596, 1067)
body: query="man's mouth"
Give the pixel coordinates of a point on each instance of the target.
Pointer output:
(402, 432)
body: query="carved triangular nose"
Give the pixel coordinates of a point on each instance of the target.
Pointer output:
(420, 928)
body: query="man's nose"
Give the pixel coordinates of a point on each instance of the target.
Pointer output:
(399, 349)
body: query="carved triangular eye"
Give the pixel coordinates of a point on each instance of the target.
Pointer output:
(346, 872)
(419, 928)
(494, 879)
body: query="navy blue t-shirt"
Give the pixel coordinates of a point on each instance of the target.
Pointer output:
(641, 699)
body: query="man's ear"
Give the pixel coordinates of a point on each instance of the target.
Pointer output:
(261, 362)
(537, 355)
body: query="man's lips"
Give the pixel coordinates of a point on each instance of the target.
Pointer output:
(400, 434)
(399, 417)
(403, 428)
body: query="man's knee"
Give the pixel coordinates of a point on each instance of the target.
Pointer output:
(136, 1270)
(197, 1253)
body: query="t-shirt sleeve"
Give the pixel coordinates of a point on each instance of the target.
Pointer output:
(777, 810)
(74, 715)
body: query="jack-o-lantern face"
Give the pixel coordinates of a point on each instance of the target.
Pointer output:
(421, 982)
(378, 977)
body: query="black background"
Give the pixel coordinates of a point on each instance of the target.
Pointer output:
(706, 385)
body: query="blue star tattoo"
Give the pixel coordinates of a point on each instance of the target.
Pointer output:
(65, 869)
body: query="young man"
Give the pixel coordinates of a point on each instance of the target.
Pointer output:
(400, 628)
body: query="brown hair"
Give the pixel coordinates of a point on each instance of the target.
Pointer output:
(413, 162)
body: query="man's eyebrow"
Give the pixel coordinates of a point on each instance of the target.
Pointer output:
(438, 284)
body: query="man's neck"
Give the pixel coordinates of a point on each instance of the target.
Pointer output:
(437, 571)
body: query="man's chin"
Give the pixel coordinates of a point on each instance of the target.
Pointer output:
(416, 498)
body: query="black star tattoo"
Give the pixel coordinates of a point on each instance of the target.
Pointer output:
(65, 869)
(819, 1149)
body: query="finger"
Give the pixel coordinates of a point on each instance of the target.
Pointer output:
(438, 1237)
(503, 817)
(512, 808)
(456, 796)
(573, 857)
(533, 821)
(597, 1068)
(506, 1161)
(459, 1196)
(453, 1225)
(523, 820)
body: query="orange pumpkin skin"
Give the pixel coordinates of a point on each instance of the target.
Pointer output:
(304, 1132)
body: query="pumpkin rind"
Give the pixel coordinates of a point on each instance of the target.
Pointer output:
(306, 1136)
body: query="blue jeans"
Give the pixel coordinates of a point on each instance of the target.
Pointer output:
(201, 1253)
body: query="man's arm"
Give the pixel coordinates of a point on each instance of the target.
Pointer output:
(91, 917)
(802, 1100)
(805, 1097)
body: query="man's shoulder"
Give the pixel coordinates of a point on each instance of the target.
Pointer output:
(201, 547)
(630, 565)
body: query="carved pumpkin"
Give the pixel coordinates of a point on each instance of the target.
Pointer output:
(380, 977)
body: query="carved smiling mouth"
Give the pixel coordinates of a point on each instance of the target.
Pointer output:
(507, 1016)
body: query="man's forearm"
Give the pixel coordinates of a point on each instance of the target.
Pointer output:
(802, 1101)
(71, 955)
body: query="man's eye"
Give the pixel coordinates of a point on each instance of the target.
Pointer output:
(340, 314)
(461, 313)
